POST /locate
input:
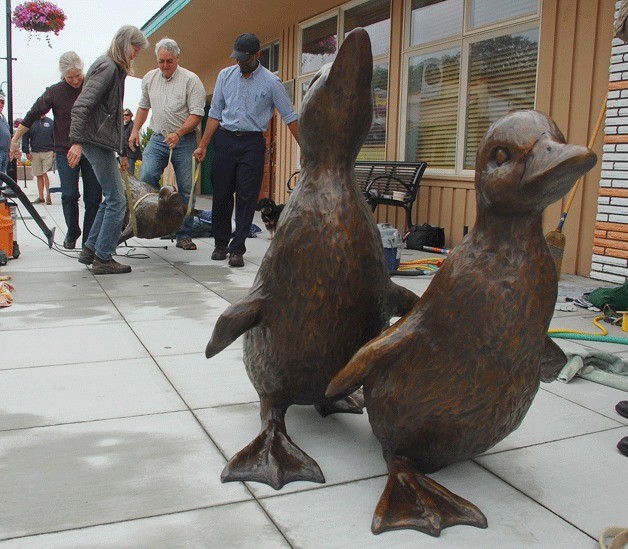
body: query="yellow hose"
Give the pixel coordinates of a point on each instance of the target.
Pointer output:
(603, 330)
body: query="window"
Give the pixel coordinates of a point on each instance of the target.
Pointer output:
(463, 72)
(320, 43)
(270, 57)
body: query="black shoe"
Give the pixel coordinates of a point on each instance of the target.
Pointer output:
(69, 244)
(219, 253)
(86, 257)
(622, 446)
(236, 260)
(622, 408)
(102, 267)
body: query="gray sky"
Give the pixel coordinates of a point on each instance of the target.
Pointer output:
(89, 28)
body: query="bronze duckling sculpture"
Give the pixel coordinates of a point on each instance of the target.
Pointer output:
(322, 289)
(157, 212)
(458, 373)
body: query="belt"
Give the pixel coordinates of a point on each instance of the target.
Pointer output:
(239, 133)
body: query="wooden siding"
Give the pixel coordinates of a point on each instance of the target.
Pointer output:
(573, 65)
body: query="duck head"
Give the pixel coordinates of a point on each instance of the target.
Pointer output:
(524, 164)
(337, 110)
(170, 203)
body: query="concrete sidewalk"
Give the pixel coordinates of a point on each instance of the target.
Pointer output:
(114, 428)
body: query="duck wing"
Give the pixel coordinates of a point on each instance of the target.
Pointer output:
(237, 319)
(400, 299)
(377, 353)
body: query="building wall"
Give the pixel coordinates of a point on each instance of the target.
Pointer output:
(575, 44)
(610, 251)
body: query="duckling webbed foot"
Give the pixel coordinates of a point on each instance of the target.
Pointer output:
(351, 404)
(272, 457)
(413, 500)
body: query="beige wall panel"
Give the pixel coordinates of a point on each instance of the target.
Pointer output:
(447, 214)
(394, 78)
(600, 73)
(459, 211)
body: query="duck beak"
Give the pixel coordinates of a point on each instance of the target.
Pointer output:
(553, 167)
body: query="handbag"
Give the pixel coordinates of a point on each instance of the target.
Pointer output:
(425, 235)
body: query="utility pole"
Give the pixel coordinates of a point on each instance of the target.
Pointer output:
(12, 169)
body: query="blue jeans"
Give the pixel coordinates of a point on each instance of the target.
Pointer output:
(103, 238)
(154, 162)
(4, 161)
(70, 194)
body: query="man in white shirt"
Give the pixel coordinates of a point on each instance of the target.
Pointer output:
(177, 99)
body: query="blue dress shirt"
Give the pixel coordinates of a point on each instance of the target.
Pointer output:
(247, 104)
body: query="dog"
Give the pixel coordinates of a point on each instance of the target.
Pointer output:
(270, 214)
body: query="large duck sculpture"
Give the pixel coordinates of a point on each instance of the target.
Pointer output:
(323, 289)
(458, 373)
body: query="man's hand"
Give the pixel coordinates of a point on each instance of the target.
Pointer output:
(124, 164)
(74, 155)
(171, 139)
(199, 154)
(134, 139)
(15, 152)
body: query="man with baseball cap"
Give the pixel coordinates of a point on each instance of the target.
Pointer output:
(245, 98)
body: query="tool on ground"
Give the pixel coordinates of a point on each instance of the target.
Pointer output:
(556, 239)
(445, 251)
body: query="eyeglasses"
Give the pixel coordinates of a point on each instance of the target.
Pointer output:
(127, 115)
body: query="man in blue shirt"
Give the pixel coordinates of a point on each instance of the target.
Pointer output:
(244, 101)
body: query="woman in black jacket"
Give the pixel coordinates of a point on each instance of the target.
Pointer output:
(97, 131)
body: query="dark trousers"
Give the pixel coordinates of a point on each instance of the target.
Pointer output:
(237, 172)
(70, 194)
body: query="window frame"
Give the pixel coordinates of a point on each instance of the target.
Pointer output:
(339, 13)
(468, 36)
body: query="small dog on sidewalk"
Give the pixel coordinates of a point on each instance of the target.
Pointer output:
(270, 214)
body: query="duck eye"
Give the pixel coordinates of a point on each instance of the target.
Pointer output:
(501, 155)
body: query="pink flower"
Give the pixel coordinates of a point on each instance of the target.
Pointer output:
(39, 16)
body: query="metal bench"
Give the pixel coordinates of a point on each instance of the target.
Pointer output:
(390, 183)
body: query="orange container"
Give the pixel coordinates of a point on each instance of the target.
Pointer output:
(6, 229)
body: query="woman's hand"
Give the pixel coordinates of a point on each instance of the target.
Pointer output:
(124, 164)
(15, 150)
(74, 155)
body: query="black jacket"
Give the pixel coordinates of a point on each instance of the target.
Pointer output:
(97, 112)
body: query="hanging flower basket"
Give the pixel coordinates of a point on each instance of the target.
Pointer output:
(39, 16)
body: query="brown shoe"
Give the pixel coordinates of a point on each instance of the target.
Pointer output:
(86, 257)
(219, 253)
(48, 201)
(236, 260)
(101, 267)
(38, 201)
(186, 244)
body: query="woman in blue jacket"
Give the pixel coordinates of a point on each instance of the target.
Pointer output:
(97, 130)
